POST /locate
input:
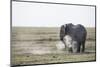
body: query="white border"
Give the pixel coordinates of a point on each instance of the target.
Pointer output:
(5, 33)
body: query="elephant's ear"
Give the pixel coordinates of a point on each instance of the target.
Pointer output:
(62, 32)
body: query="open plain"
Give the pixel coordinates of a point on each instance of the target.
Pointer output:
(41, 45)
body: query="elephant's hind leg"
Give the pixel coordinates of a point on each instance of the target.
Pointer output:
(83, 46)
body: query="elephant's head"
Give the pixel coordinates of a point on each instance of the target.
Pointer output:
(65, 29)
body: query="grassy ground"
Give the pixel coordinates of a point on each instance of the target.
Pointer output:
(31, 45)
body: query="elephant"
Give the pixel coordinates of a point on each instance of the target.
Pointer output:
(73, 37)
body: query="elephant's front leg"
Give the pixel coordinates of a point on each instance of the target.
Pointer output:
(75, 47)
(78, 48)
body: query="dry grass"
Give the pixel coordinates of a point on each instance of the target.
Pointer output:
(31, 45)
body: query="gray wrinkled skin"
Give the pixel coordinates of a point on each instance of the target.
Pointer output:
(73, 36)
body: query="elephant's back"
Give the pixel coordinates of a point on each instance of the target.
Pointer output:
(79, 32)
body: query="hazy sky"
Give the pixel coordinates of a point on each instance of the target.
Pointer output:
(51, 15)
